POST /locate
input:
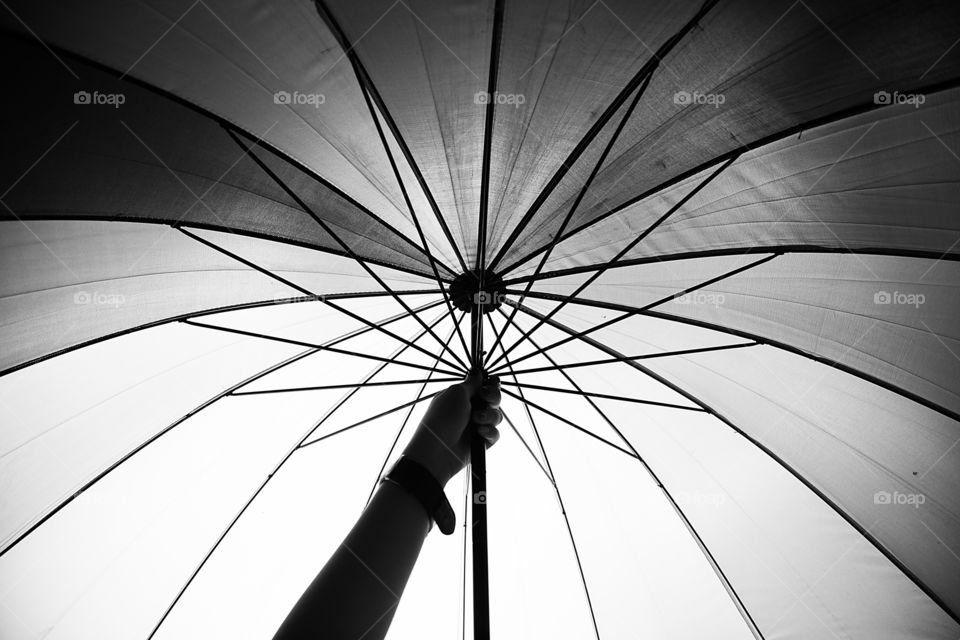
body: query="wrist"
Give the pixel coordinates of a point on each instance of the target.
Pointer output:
(430, 459)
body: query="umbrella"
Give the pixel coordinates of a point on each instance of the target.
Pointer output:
(710, 249)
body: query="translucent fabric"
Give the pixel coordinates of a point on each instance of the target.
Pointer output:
(726, 339)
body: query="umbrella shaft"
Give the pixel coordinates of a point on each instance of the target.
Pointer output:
(478, 469)
(481, 596)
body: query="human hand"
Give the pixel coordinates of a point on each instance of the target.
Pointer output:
(441, 443)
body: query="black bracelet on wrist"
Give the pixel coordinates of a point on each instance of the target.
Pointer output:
(413, 478)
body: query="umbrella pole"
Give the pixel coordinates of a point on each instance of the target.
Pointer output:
(478, 468)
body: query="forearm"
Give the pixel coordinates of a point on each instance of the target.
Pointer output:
(359, 588)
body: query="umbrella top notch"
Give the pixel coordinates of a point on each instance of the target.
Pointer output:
(478, 289)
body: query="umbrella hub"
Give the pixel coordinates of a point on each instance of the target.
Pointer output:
(466, 293)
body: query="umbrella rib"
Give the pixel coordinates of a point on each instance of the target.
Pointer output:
(602, 396)
(349, 385)
(773, 456)
(514, 428)
(219, 228)
(314, 296)
(233, 131)
(492, 77)
(573, 207)
(406, 418)
(363, 78)
(646, 356)
(347, 352)
(812, 356)
(643, 73)
(360, 423)
(757, 340)
(553, 481)
(526, 446)
(262, 373)
(566, 421)
(742, 251)
(413, 215)
(275, 470)
(711, 560)
(630, 245)
(626, 314)
(205, 312)
(343, 244)
(578, 391)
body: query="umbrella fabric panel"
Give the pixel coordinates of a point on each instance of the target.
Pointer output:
(535, 585)
(801, 569)
(130, 508)
(854, 441)
(309, 504)
(68, 282)
(315, 321)
(274, 71)
(428, 62)
(777, 66)
(859, 311)
(890, 318)
(644, 571)
(98, 161)
(271, 555)
(432, 224)
(563, 197)
(882, 180)
(633, 335)
(159, 376)
(318, 272)
(561, 65)
(156, 517)
(641, 387)
(62, 430)
(645, 284)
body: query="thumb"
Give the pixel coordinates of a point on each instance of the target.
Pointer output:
(473, 382)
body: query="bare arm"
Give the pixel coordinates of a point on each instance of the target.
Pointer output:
(357, 591)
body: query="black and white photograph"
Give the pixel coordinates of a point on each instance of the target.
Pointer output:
(480, 319)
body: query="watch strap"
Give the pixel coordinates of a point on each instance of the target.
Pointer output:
(412, 477)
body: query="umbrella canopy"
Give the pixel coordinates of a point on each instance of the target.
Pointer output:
(710, 248)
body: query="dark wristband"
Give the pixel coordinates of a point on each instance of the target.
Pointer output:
(413, 478)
